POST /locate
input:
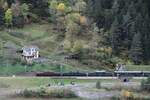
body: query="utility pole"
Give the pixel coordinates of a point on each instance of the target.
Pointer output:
(61, 67)
(1, 48)
(1, 51)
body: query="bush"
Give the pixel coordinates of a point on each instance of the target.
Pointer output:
(74, 17)
(61, 7)
(145, 85)
(18, 21)
(115, 98)
(98, 84)
(64, 93)
(78, 46)
(45, 93)
(27, 93)
(67, 45)
(127, 95)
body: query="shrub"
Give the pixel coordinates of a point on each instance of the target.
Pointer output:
(145, 85)
(127, 95)
(75, 17)
(77, 47)
(45, 93)
(139, 97)
(61, 7)
(80, 6)
(27, 93)
(73, 28)
(18, 21)
(115, 98)
(42, 92)
(35, 18)
(98, 84)
(100, 49)
(67, 45)
(53, 4)
(24, 9)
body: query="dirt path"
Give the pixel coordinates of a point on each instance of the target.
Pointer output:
(84, 92)
(5, 93)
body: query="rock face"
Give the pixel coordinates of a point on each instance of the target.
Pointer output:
(10, 45)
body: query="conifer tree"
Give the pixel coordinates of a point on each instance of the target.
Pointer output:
(136, 51)
(146, 38)
(115, 36)
(1, 16)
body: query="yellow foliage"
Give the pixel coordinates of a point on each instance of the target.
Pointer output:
(78, 45)
(108, 50)
(127, 94)
(101, 49)
(61, 7)
(83, 20)
(8, 17)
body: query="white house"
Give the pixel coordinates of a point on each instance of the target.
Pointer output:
(120, 67)
(30, 53)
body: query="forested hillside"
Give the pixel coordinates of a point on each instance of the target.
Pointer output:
(91, 32)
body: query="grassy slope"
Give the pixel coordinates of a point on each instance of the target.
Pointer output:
(46, 39)
(138, 67)
(8, 84)
(18, 69)
(31, 82)
(42, 36)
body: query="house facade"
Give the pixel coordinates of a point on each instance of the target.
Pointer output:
(29, 53)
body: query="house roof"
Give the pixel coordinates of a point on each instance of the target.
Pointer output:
(27, 48)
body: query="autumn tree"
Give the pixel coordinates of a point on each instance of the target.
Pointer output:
(8, 17)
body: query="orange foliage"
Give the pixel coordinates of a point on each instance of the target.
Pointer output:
(83, 20)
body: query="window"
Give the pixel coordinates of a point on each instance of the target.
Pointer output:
(32, 49)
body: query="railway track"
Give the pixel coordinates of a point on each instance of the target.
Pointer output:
(96, 74)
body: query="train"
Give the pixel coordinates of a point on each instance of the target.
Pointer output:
(96, 74)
